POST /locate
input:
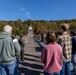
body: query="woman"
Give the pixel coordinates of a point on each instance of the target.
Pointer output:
(51, 56)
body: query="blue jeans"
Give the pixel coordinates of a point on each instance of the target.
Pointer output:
(56, 73)
(65, 69)
(9, 69)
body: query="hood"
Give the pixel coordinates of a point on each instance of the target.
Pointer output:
(4, 34)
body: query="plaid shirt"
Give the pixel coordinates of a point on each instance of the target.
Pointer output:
(65, 42)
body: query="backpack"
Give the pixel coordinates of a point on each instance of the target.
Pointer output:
(20, 42)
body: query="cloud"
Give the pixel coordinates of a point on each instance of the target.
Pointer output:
(24, 12)
(21, 9)
(28, 14)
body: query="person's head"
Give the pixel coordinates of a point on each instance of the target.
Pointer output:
(7, 29)
(51, 38)
(58, 34)
(50, 31)
(72, 33)
(64, 28)
(22, 35)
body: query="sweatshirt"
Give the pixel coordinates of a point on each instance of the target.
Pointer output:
(51, 57)
(9, 48)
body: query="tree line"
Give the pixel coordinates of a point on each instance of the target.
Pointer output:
(39, 26)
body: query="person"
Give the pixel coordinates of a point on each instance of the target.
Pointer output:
(9, 52)
(73, 35)
(73, 39)
(22, 41)
(48, 33)
(65, 41)
(51, 56)
(58, 34)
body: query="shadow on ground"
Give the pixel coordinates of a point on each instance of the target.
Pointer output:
(39, 49)
(31, 68)
(34, 66)
(34, 60)
(25, 71)
(32, 55)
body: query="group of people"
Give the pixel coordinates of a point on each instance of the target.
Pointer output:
(57, 54)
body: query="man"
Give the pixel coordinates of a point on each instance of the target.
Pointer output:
(9, 52)
(65, 41)
(73, 35)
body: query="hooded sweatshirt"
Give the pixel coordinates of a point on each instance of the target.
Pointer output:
(9, 48)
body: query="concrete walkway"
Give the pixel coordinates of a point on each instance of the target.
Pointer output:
(32, 64)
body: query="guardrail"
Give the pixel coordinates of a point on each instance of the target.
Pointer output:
(42, 44)
(73, 62)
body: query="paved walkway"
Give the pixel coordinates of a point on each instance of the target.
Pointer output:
(32, 64)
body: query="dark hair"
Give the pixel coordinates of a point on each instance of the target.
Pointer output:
(21, 35)
(51, 38)
(73, 33)
(64, 28)
(58, 33)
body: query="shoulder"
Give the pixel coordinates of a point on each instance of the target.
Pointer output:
(49, 46)
(65, 36)
(45, 47)
(58, 45)
(8, 38)
(69, 36)
(73, 37)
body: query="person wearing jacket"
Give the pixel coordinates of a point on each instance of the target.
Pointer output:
(9, 52)
(73, 39)
(22, 41)
(51, 56)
